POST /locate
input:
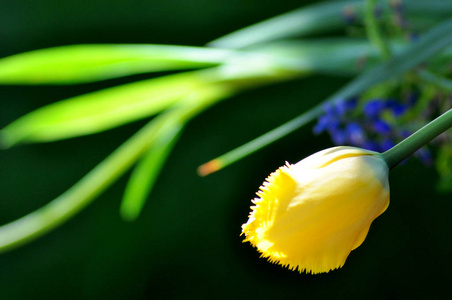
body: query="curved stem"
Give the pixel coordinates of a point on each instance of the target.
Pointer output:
(418, 139)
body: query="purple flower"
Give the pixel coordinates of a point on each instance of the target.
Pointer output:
(352, 103)
(330, 109)
(397, 108)
(373, 108)
(372, 146)
(345, 105)
(326, 122)
(338, 136)
(341, 106)
(387, 144)
(355, 134)
(381, 126)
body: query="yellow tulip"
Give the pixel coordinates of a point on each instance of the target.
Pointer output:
(311, 215)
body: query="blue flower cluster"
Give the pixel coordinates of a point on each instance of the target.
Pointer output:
(370, 125)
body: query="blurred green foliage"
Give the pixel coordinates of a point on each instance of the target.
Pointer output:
(186, 243)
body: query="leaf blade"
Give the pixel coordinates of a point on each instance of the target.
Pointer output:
(323, 17)
(101, 110)
(62, 208)
(93, 62)
(144, 175)
(314, 18)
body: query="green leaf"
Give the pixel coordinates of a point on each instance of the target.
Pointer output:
(323, 17)
(87, 63)
(439, 9)
(62, 208)
(59, 210)
(315, 18)
(145, 173)
(101, 110)
(436, 80)
(427, 45)
(338, 56)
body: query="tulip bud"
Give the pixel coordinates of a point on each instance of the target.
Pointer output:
(311, 215)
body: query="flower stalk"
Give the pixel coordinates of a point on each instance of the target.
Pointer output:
(418, 139)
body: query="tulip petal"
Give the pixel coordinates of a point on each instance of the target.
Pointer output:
(311, 215)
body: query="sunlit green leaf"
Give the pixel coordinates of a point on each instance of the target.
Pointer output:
(101, 110)
(145, 173)
(86, 63)
(59, 210)
(39, 222)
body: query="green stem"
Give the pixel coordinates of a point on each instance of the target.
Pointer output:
(418, 139)
(260, 142)
(373, 31)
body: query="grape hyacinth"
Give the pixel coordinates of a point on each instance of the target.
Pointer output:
(373, 124)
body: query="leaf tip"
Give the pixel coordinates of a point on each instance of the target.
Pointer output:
(128, 214)
(209, 167)
(6, 140)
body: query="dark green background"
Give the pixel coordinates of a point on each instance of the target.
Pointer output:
(186, 243)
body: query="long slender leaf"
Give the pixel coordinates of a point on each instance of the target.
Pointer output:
(437, 80)
(145, 173)
(101, 110)
(435, 8)
(338, 56)
(311, 19)
(59, 210)
(41, 221)
(87, 63)
(320, 18)
(429, 44)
